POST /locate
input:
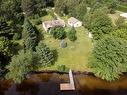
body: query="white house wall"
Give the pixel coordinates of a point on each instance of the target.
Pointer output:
(44, 27)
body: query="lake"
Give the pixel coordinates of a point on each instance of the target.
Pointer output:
(49, 83)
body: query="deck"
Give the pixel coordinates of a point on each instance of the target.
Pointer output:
(68, 86)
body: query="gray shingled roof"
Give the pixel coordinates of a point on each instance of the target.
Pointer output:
(73, 20)
(54, 23)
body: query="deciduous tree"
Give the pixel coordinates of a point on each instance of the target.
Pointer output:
(58, 33)
(99, 24)
(21, 65)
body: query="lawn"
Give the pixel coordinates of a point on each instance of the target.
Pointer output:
(75, 55)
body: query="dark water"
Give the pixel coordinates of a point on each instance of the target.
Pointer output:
(48, 84)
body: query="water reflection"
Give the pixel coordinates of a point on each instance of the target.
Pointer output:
(48, 84)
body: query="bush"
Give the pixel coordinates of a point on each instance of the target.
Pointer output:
(16, 36)
(58, 33)
(72, 34)
(63, 44)
(62, 68)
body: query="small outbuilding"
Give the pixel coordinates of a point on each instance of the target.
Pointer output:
(73, 22)
(47, 25)
(124, 15)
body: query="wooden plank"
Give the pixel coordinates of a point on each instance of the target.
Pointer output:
(71, 77)
(68, 86)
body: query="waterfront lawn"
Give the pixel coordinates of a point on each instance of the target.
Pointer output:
(75, 55)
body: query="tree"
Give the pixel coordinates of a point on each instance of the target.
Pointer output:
(81, 10)
(45, 55)
(28, 7)
(30, 35)
(66, 7)
(120, 33)
(58, 33)
(112, 6)
(108, 59)
(61, 7)
(5, 30)
(21, 65)
(10, 9)
(6, 44)
(98, 24)
(72, 34)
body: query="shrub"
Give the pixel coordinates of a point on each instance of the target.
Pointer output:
(63, 44)
(62, 68)
(72, 34)
(58, 33)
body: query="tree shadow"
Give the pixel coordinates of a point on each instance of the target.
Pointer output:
(55, 54)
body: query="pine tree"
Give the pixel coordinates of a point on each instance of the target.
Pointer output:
(28, 7)
(30, 35)
(6, 45)
(46, 56)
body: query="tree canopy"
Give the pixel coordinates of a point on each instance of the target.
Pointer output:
(45, 55)
(58, 33)
(98, 24)
(108, 59)
(21, 65)
(30, 35)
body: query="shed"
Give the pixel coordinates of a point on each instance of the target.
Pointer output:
(73, 22)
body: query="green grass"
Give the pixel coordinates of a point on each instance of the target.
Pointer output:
(75, 55)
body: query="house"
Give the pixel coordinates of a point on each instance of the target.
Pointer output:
(47, 25)
(124, 15)
(73, 22)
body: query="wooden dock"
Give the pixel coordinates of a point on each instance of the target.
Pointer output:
(70, 85)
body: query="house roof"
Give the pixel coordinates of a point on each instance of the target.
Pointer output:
(124, 15)
(53, 23)
(73, 20)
